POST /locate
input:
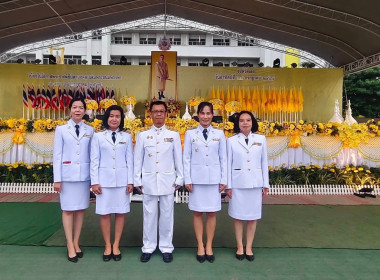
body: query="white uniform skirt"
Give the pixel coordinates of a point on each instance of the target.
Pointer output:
(205, 198)
(113, 200)
(246, 204)
(75, 195)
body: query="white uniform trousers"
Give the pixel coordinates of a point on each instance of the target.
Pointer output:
(166, 221)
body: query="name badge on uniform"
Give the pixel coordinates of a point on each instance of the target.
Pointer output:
(168, 139)
(88, 135)
(215, 139)
(122, 142)
(257, 144)
(66, 162)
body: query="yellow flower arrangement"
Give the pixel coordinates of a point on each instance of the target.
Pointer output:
(373, 128)
(91, 104)
(353, 135)
(105, 103)
(195, 100)
(233, 106)
(132, 125)
(96, 124)
(128, 100)
(11, 123)
(217, 104)
(181, 125)
(148, 122)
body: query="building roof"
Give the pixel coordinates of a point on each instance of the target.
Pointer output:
(340, 31)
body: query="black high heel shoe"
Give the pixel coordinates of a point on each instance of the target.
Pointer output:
(250, 257)
(80, 254)
(116, 257)
(107, 258)
(210, 258)
(240, 257)
(73, 259)
(201, 258)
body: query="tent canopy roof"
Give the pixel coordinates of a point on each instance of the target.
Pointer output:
(340, 31)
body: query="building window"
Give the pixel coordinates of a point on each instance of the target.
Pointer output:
(144, 61)
(195, 62)
(246, 43)
(174, 39)
(220, 42)
(197, 40)
(122, 39)
(148, 39)
(73, 59)
(75, 37)
(97, 35)
(45, 59)
(96, 60)
(116, 60)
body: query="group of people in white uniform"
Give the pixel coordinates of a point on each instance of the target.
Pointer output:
(209, 165)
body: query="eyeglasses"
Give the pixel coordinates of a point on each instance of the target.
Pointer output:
(159, 112)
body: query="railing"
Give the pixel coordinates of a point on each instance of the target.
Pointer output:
(183, 196)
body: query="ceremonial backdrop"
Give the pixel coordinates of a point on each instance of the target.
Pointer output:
(320, 87)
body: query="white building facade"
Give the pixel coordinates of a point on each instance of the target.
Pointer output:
(192, 48)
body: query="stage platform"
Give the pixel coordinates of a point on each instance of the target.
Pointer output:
(299, 237)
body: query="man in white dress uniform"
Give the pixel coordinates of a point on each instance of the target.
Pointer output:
(158, 172)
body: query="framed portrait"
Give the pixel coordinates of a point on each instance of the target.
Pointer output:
(164, 75)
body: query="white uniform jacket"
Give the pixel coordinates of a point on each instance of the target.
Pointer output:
(71, 155)
(247, 165)
(158, 161)
(205, 161)
(111, 163)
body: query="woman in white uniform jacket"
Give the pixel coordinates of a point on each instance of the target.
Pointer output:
(112, 177)
(71, 167)
(248, 179)
(204, 162)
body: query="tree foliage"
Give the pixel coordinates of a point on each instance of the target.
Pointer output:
(363, 90)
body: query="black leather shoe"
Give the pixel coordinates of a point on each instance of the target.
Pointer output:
(80, 254)
(201, 258)
(107, 258)
(73, 259)
(250, 257)
(210, 258)
(167, 257)
(240, 257)
(116, 257)
(145, 257)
